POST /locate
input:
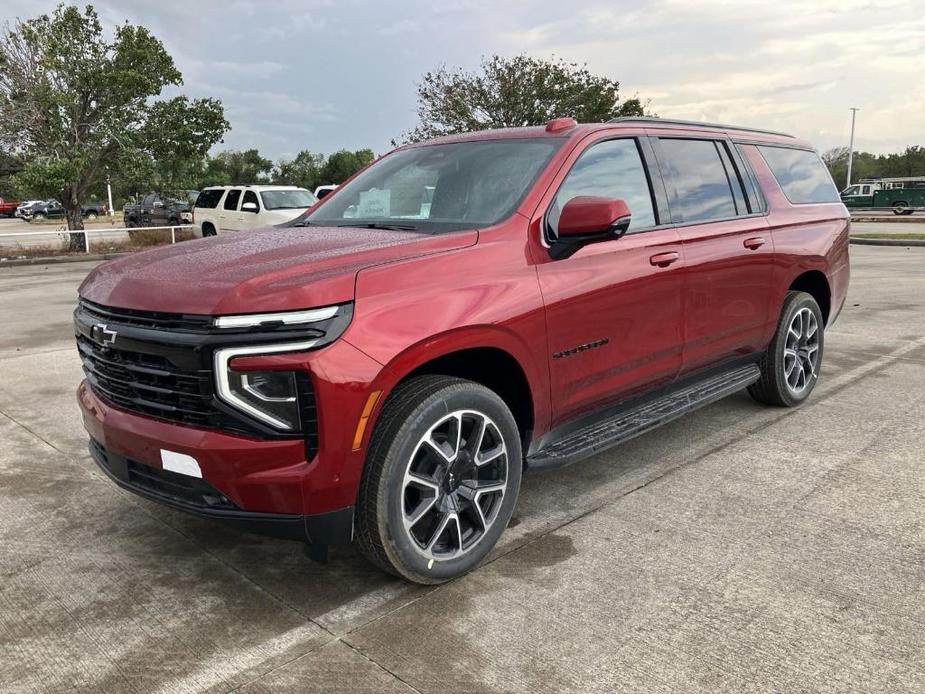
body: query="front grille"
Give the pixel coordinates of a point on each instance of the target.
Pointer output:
(165, 484)
(160, 365)
(157, 320)
(149, 384)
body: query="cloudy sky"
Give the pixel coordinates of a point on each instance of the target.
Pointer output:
(327, 74)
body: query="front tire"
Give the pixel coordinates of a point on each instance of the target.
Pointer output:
(441, 479)
(790, 365)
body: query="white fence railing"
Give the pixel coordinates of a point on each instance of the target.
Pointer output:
(9, 239)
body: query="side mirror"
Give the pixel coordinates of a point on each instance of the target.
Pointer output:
(588, 219)
(249, 207)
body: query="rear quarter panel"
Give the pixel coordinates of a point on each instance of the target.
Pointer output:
(806, 237)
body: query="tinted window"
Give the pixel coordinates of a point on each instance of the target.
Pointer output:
(801, 174)
(209, 198)
(442, 187)
(231, 202)
(611, 169)
(702, 189)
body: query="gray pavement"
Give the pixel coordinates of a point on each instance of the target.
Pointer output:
(739, 549)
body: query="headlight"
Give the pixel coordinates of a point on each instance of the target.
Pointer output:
(272, 397)
(269, 396)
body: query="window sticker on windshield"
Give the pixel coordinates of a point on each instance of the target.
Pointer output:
(375, 202)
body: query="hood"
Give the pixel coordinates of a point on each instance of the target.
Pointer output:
(272, 269)
(282, 216)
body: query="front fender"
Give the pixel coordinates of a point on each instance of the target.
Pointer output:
(447, 343)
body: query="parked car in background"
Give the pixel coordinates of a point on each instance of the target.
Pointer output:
(236, 208)
(324, 191)
(384, 368)
(52, 209)
(8, 207)
(155, 210)
(901, 195)
(24, 209)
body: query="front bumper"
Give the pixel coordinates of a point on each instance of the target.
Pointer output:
(199, 498)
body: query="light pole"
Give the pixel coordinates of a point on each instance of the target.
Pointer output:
(854, 112)
(112, 212)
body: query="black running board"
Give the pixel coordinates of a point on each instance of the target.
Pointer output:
(623, 423)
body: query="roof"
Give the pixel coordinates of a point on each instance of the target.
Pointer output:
(650, 120)
(258, 188)
(579, 130)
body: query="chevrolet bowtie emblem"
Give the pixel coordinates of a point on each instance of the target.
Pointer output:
(103, 335)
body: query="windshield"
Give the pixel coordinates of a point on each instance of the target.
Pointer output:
(287, 199)
(438, 188)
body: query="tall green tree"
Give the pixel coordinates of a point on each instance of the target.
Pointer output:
(343, 164)
(513, 92)
(304, 170)
(237, 168)
(75, 103)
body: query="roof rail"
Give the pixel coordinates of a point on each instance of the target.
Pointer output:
(670, 121)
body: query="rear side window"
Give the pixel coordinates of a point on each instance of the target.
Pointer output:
(609, 169)
(209, 198)
(801, 174)
(702, 186)
(231, 202)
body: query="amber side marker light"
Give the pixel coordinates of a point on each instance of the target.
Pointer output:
(364, 418)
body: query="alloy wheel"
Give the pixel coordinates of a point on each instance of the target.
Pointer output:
(453, 485)
(801, 351)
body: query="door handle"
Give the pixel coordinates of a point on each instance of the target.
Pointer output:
(664, 259)
(754, 243)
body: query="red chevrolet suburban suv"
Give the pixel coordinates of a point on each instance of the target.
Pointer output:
(384, 368)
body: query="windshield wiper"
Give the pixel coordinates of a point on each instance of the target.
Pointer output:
(381, 225)
(302, 224)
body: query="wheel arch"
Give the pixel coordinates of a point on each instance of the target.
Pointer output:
(489, 357)
(816, 284)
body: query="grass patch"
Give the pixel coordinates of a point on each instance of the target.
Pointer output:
(139, 240)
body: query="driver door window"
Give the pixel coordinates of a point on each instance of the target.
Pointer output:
(609, 169)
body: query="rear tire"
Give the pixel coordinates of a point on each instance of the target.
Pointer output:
(91, 216)
(38, 217)
(441, 479)
(901, 207)
(208, 230)
(790, 365)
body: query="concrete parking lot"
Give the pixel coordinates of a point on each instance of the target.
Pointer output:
(739, 549)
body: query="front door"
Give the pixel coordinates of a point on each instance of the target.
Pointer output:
(728, 250)
(613, 309)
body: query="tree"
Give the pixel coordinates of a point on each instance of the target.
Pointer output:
(910, 162)
(513, 92)
(75, 104)
(303, 171)
(343, 164)
(237, 168)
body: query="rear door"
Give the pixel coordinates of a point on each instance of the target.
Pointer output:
(728, 248)
(228, 215)
(613, 309)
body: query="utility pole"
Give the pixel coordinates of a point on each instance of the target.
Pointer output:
(854, 112)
